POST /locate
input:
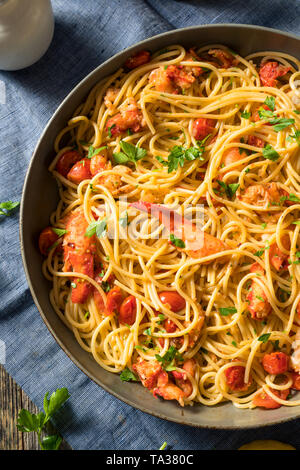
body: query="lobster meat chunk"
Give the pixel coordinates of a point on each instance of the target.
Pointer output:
(193, 241)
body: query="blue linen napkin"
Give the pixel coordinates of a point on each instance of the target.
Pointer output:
(86, 34)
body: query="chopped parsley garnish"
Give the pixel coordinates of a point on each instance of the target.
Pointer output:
(124, 220)
(291, 197)
(260, 298)
(106, 286)
(127, 375)
(278, 123)
(97, 227)
(296, 136)
(168, 359)
(147, 331)
(109, 130)
(179, 155)
(229, 189)
(270, 102)
(246, 114)
(264, 338)
(7, 207)
(59, 231)
(281, 123)
(92, 151)
(296, 222)
(177, 241)
(270, 153)
(234, 344)
(225, 311)
(130, 153)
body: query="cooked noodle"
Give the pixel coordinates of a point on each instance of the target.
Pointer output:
(144, 265)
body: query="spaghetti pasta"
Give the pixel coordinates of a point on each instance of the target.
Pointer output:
(200, 301)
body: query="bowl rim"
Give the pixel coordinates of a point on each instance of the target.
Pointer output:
(32, 162)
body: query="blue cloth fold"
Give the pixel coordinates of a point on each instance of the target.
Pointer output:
(87, 33)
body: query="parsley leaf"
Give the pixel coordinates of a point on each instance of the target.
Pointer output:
(59, 231)
(51, 442)
(179, 155)
(177, 241)
(225, 311)
(264, 338)
(270, 153)
(230, 189)
(124, 220)
(130, 153)
(97, 227)
(93, 151)
(109, 130)
(56, 400)
(270, 102)
(167, 360)
(296, 136)
(246, 114)
(127, 375)
(7, 207)
(30, 422)
(281, 123)
(265, 113)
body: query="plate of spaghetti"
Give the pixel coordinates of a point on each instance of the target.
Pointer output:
(171, 258)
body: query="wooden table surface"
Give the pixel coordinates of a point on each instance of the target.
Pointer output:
(12, 400)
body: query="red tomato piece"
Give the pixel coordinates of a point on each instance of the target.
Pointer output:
(66, 161)
(276, 362)
(138, 59)
(202, 127)
(80, 171)
(235, 378)
(264, 400)
(46, 239)
(114, 300)
(128, 310)
(169, 326)
(173, 299)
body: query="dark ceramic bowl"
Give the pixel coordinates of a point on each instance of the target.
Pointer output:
(35, 212)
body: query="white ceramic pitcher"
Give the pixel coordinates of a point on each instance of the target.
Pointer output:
(26, 30)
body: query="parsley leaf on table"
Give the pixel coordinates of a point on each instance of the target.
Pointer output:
(30, 422)
(7, 207)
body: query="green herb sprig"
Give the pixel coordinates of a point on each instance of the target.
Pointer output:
(130, 153)
(30, 422)
(7, 207)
